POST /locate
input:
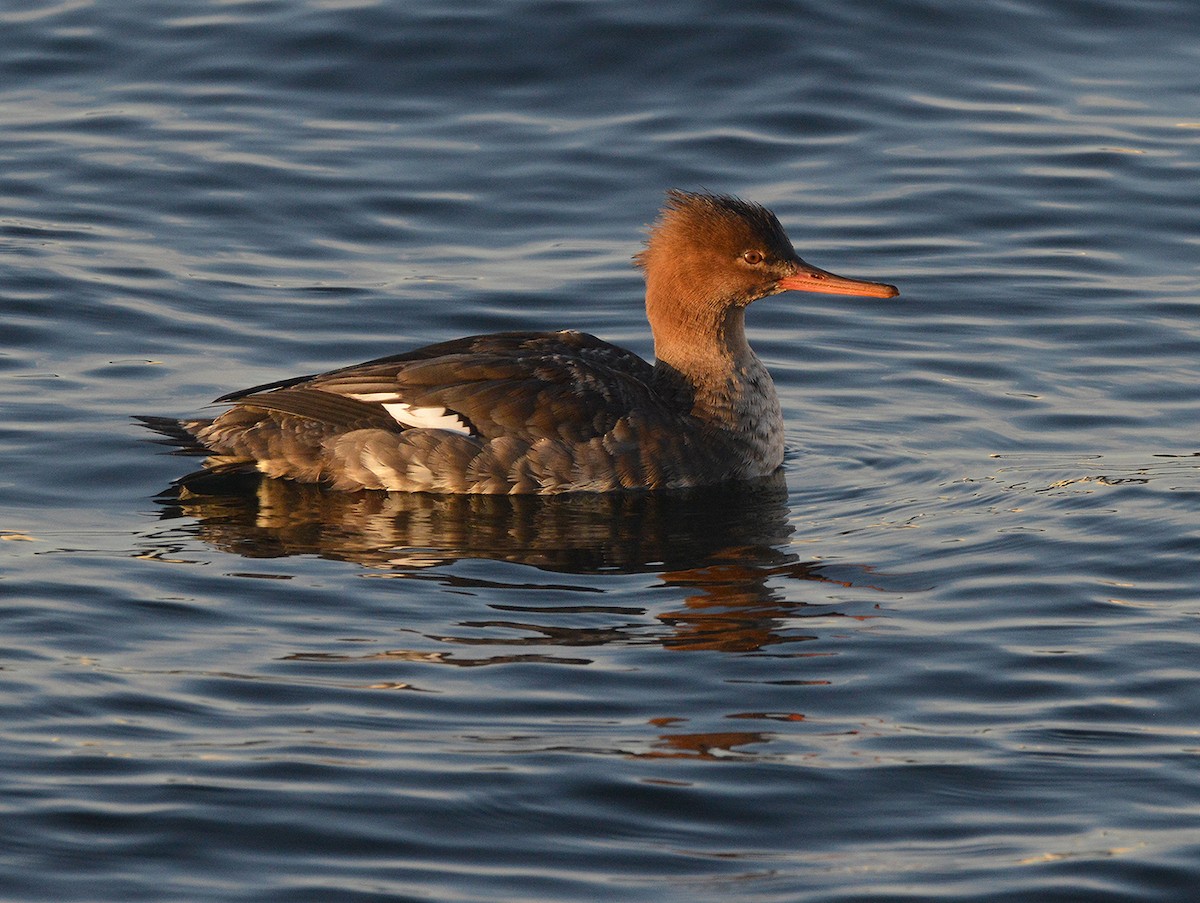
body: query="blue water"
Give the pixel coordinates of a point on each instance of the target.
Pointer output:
(952, 656)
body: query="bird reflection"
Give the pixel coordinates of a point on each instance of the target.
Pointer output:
(726, 548)
(582, 533)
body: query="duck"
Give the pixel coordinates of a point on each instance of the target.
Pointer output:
(551, 412)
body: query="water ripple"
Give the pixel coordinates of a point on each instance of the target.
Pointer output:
(949, 656)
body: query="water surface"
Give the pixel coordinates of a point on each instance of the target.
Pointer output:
(950, 655)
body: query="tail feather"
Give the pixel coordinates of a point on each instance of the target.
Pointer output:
(176, 434)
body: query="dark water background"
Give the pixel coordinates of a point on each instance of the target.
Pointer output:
(953, 657)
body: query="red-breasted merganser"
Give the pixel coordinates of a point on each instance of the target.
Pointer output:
(549, 412)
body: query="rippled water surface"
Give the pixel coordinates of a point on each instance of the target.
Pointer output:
(950, 655)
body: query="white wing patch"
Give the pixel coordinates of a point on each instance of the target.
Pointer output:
(428, 418)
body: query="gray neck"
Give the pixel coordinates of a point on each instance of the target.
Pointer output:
(724, 385)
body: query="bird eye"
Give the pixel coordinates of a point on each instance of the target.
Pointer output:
(754, 258)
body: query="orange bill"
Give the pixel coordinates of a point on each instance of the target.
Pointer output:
(808, 278)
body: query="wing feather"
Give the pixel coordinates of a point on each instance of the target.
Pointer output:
(562, 385)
